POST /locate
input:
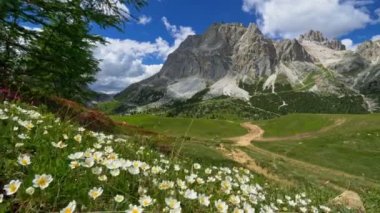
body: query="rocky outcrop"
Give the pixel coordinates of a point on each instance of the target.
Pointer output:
(318, 37)
(292, 50)
(254, 55)
(370, 50)
(350, 200)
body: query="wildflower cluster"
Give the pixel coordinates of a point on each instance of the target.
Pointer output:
(67, 167)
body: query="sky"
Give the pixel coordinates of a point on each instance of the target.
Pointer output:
(140, 50)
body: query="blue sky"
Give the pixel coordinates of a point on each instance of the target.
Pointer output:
(140, 50)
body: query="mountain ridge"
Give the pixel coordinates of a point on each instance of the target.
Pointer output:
(227, 54)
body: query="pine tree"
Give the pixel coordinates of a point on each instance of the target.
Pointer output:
(55, 59)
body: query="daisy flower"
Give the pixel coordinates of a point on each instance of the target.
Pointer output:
(134, 209)
(95, 192)
(146, 201)
(70, 208)
(12, 187)
(78, 138)
(119, 198)
(42, 181)
(30, 190)
(59, 145)
(24, 160)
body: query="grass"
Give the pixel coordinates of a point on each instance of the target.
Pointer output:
(133, 169)
(176, 126)
(294, 124)
(353, 147)
(108, 107)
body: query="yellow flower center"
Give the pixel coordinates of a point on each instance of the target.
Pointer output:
(94, 194)
(68, 210)
(42, 182)
(13, 188)
(24, 162)
(135, 211)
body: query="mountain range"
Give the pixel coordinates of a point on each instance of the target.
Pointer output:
(241, 63)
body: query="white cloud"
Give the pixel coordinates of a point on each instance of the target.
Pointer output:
(144, 20)
(375, 38)
(349, 44)
(179, 33)
(122, 61)
(290, 18)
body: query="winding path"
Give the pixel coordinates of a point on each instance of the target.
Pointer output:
(255, 133)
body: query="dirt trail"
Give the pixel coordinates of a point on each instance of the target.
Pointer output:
(244, 159)
(255, 133)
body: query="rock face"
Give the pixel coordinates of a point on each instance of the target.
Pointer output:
(370, 50)
(292, 50)
(254, 55)
(317, 36)
(228, 54)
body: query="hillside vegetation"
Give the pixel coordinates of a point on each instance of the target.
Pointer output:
(50, 165)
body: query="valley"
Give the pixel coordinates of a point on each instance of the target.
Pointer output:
(335, 152)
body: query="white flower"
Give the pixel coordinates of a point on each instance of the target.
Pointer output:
(177, 167)
(1, 198)
(292, 203)
(226, 186)
(74, 164)
(102, 178)
(76, 156)
(172, 203)
(146, 201)
(59, 145)
(42, 181)
(19, 145)
(164, 185)
(24, 160)
(237, 210)
(303, 209)
(12, 187)
(115, 172)
(119, 198)
(325, 208)
(190, 194)
(30, 190)
(197, 166)
(70, 208)
(235, 200)
(88, 162)
(221, 206)
(96, 170)
(204, 200)
(134, 209)
(78, 138)
(95, 192)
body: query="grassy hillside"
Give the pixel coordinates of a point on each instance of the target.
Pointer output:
(199, 128)
(294, 124)
(51, 165)
(352, 147)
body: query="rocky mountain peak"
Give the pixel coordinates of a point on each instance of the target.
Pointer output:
(370, 50)
(318, 37)
(313, 36)
(292, 50)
